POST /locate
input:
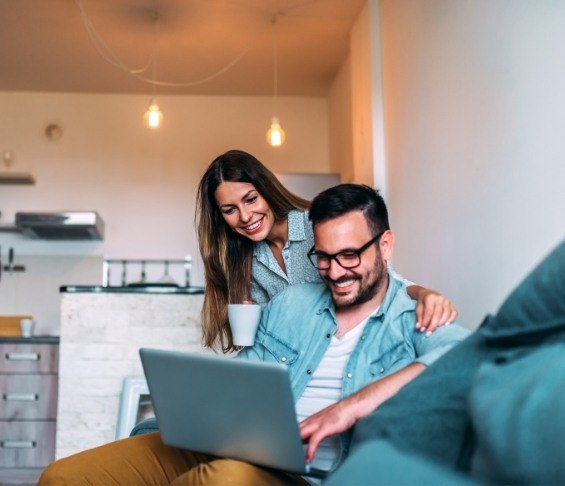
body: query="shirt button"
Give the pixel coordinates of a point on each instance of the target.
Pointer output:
(309, 372)
(382, 370)
(349, 375)
(328, 335)
(363, 337)
(283, 359)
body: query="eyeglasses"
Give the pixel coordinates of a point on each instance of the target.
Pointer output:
(346, 259)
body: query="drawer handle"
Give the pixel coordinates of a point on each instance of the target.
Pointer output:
(18, 444)
(20, 397)
(23, 356)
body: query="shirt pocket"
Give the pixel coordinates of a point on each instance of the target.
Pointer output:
(390, 361)
(282, 351)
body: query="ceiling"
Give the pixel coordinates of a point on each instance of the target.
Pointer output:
(45, 45)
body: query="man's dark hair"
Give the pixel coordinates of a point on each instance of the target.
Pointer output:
(344, 198)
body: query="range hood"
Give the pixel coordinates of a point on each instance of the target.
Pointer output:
(61, 225)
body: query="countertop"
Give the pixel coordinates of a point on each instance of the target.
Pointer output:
(30, 340)
(77, 289)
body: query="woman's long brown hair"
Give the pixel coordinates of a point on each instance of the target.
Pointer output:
(227, 255)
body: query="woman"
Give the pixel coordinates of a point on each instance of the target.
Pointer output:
(254, 236)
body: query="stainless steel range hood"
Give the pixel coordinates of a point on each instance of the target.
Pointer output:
(61, 225)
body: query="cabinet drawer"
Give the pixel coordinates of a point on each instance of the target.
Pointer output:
(28, 397)
(27, 444)
(29, 358)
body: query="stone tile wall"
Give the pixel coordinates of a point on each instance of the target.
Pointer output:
(101, 334)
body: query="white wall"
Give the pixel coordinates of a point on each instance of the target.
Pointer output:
(366, 100)
(475, 115)
(362, 92)
(340, 123)
(142, 182)
(35, 292)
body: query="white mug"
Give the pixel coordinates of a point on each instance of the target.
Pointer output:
(244, 321)
(27, 326)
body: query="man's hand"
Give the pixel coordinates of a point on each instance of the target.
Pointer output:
(340, 416)
(332, 420)
(433, 309)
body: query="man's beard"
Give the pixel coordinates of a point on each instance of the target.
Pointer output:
(371, 284)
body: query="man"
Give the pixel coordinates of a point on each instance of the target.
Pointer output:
(353, 336)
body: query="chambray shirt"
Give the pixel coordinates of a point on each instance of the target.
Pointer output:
(268, 278)
(297, 325)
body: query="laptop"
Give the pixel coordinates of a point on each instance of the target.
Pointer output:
(227, 408)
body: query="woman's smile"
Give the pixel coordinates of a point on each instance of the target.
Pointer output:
(254, 227)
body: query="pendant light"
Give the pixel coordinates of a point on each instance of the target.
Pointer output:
(153, 116)
(275, 134)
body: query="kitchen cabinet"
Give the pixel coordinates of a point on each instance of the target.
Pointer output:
(28, 406)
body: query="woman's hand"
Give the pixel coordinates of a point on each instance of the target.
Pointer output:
(433, 309)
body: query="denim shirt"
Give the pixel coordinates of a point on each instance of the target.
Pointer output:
(297, 325)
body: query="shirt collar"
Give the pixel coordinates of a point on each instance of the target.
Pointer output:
(396, 299)
(296, 232)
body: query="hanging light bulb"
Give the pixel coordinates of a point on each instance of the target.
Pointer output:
(275, 134)
(153, 116)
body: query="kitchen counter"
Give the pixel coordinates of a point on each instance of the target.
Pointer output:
(147, 289)
(102, 329)
(30, 340)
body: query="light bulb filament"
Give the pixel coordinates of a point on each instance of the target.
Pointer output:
(153, 115)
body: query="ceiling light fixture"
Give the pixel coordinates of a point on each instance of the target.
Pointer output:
(275, 134)
(153, 116)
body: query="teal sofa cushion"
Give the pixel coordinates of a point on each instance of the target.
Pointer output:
(379, 463)
(518, 414)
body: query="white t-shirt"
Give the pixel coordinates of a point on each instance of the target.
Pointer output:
(324, 389)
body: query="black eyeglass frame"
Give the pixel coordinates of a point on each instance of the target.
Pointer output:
(312, 255)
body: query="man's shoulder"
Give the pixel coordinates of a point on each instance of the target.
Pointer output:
(300, 295)
(398, 300)
(293, 310)
(307, 289)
